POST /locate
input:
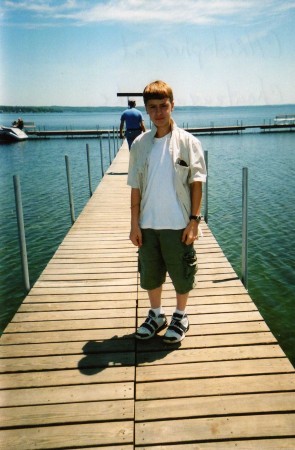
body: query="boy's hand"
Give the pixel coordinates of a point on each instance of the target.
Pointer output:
(190, 234)
(136, 236)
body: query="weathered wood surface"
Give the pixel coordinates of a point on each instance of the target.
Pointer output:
(72, 375)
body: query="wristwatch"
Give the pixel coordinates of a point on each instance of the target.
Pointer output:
(196, 218)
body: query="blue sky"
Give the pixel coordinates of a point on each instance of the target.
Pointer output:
(212, 52)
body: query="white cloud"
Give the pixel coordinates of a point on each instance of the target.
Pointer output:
(152, 11)
(174, 11)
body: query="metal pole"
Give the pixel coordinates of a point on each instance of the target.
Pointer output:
(117, 138)
(101, 156)
(71, 199)
(21, 232)
(110, 155)
(89, 170)
(245, 228)
(206, 188)
(114, 142)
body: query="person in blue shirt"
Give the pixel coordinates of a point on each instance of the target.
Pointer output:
(132, 117)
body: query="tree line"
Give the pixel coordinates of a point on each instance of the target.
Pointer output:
(28, 109)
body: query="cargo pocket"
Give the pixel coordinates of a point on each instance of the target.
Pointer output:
(190, 263)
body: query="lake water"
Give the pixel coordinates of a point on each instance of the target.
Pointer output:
(269, 157)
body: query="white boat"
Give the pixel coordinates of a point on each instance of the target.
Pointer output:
(285, 119)
(12, 134)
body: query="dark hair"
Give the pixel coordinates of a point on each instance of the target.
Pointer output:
(157, 90)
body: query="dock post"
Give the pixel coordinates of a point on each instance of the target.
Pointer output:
(89, 170)
(245, 228)
(117, 136)
(110, 155)
(101, 156)
(21, 232)
(69, 179)
(114, 142)
(206, 188)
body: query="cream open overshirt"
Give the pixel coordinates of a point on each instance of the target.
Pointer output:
(183, 147)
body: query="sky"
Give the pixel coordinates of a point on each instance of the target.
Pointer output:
(82, 53)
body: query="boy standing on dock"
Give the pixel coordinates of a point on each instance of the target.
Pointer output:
(166, 172)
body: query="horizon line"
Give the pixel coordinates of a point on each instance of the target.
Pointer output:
(119, 106)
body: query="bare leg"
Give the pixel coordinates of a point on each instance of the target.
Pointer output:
(181, 301)
(155, 297)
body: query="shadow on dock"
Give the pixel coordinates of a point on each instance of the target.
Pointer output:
(122, 351)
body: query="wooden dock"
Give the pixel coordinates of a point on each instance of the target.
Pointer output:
(46, 134)
(73, 377)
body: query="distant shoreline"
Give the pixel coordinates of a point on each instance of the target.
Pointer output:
(4, 109)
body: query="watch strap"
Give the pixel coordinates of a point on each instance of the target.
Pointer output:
(196, 218)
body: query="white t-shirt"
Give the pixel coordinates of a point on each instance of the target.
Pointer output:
(160, 206)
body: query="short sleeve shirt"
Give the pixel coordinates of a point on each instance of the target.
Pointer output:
(132, 117)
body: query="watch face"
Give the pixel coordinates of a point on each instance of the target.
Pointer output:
(196, 218)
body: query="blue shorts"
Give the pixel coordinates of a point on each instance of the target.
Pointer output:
(162, 251)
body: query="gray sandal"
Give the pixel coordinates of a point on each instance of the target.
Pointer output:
(151, 326)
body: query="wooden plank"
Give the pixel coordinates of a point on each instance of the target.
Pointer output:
(106, 277)
(212, 309)
(200, 300)
(75, 306)
(37, 415)
(215, 386)
(111, 253)
(58, 362)
(228, 427)
(231, 290)
(63, 336)
(70, 376)
(62, 325)
(100, 297)
(222, 317)
(74, 315)
(83, 289)
(222, 340)
(67, 436)
(115, 344)
(93, 260)
(76, 283)
(112, 447)
(67, 394)
(244, 444)
(101, 271)
(214, 369)
(176, 408)
(172, 356)
(195, 298)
